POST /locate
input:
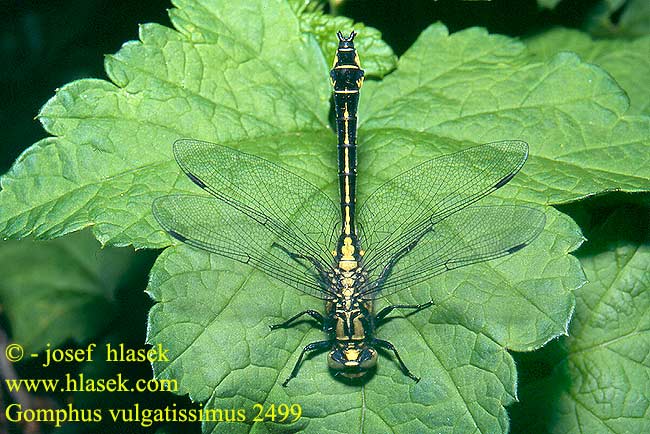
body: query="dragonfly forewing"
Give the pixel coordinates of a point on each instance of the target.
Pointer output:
(296, 211)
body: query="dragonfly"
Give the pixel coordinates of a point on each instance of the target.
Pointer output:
(419, 224)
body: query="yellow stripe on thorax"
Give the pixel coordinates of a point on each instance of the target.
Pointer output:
(347, 262)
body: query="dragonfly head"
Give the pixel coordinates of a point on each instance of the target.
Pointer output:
(352, 360)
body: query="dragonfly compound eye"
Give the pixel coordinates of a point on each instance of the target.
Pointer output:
(353, 361)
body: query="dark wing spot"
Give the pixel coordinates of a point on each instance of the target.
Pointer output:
(504, 181)
(196, 180)
(176, 235)
(516, 248)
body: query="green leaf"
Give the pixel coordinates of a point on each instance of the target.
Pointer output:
(244, 75)
(471, 87)
(465, 337)
(627, 61)
(213, 310)
(380, 59)
(598, 376)
(111, 154)
(59, 290)
(302, 6)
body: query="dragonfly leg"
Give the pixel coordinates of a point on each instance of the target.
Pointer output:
(387, 345)
(314, 346)
(312, 313)
(296, 256)
(399, 255)
(388, 309)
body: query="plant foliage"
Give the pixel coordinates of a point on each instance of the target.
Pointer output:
(253, 76)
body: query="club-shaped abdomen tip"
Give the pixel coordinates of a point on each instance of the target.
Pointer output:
(346, 41)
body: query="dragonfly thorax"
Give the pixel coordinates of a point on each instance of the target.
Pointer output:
(348, 254)
(346, 283)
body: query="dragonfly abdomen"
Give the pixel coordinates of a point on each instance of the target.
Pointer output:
(347, 78)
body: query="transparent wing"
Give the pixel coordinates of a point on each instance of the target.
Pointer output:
(406, 208)
(474, 234)
(208, 224)
(292, 209)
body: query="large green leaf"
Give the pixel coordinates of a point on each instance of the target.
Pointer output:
(244, 75)
(112, 151)
(599, 376)
(111, 154)
(214, 316)
(627, 61)
(471, 87)
(59, 290)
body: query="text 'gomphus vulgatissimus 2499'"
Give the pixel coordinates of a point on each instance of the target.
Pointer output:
(415, 226)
